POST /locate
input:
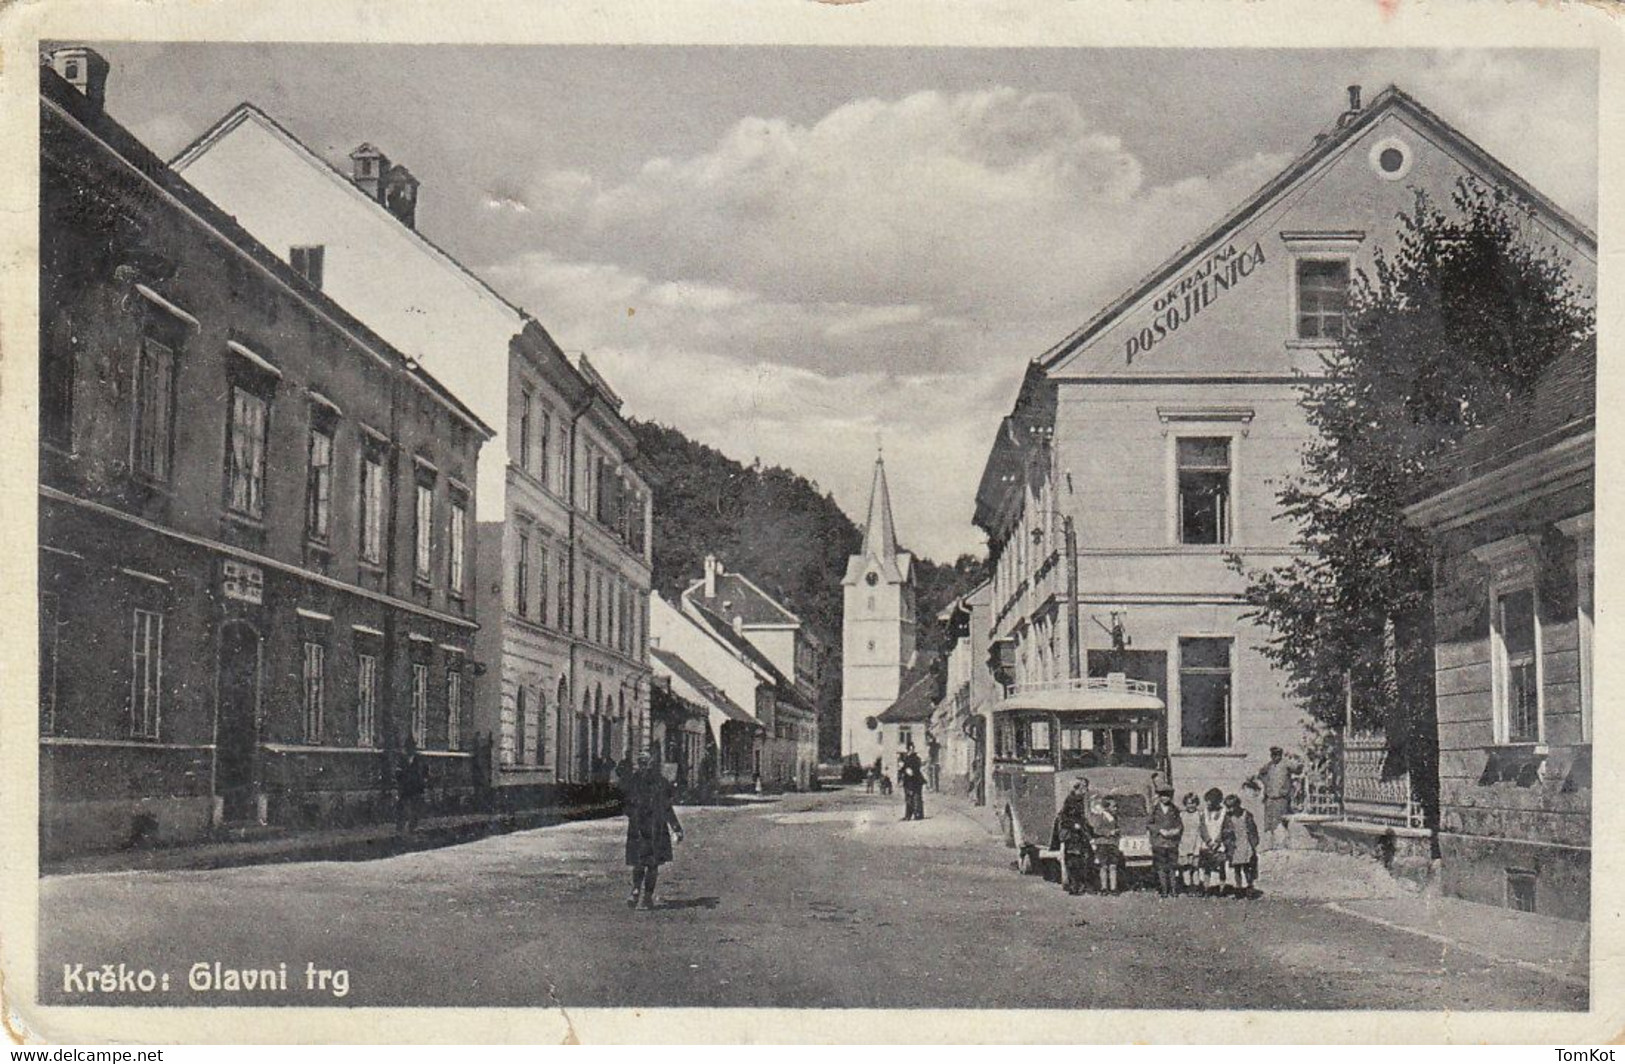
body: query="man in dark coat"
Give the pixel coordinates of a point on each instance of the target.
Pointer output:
(411, 782)
(913, 780)
(1072, 836)
(650, 821)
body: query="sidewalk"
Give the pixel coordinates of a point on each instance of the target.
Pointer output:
(362, 843)
(1557, 948)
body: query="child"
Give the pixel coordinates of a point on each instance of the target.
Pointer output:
(1106, 833)
(1211, 857)
(885, 783)
(1190, 843)
(1240, 838)
(1166, 829)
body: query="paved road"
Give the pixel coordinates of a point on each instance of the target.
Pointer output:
(815, 900)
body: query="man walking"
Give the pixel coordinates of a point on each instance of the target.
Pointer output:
(1275, 780)
(912, 775)
(650, 822)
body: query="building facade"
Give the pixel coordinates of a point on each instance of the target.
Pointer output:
(565, 507)
(702, 667)
(796, 655)
(1163, 428)
(256, 551)
(1511, 524)
(877, 630)
(957, 724)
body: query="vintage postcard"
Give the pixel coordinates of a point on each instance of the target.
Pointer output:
(885, 521)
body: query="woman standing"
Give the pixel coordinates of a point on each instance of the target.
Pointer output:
(650, 820)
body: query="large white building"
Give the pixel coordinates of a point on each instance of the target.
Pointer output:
(877, 630)
(1165, 426)
(563, 511)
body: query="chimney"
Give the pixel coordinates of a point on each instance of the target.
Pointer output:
(711, 568)
(84, 69)
(401, 195)
(367, 166)
(1354, 97)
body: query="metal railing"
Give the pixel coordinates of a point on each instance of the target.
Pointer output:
(1115, 682)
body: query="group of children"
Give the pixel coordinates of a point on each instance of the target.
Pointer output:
(1207, 846)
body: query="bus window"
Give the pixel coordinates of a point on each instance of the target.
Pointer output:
(1004, 738)
(1038, 742)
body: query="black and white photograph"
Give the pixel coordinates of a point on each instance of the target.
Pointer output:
(812, 526)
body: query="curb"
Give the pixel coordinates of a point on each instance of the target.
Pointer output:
(1445, 940)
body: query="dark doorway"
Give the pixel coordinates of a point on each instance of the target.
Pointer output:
(237, 722)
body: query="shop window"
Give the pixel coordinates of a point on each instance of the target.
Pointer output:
(307, 262)
(315, 690)
(146, 673)
(1322, 294)
(1204, 489)
(154, 410)
(1205, 687)
(245, 456)
(366, 700)
(1518, 694)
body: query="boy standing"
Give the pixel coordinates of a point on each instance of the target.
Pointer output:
(1166, 828)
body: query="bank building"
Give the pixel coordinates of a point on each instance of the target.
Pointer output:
(1159, 433)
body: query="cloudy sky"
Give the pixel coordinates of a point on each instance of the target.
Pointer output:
(791, 253)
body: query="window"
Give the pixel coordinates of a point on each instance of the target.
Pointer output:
(1520, 891)
(1204, 489)
(905, 736)
(1518, 694)
(423, 546)
(521, 576)
(366, 700)
(562, 598)
(319, 486)
(50, 626)
(246, 458)
(307, 262)
(521, 706)
(543, 467)
(420, 703)
(525, 400)
(454, 708)
(541, 586)
(315, 686)
(372, 508)
(1204, 692)
(146, 673)
(456, 545)
(1323, 294)
(154, 410)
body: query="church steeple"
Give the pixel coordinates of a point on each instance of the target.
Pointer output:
(879, 533)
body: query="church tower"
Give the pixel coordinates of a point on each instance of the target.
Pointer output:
(877, 627)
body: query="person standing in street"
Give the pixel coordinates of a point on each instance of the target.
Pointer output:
(1211, 858)
(1275, 779)
(1106, 838)
(912, 775)
(1166, 829)
(411, 783)
(1190, 843)
(650, 823)
(1240, 839)
(1072, 835)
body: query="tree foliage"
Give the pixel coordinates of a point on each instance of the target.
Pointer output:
(780, 530)
(1453, 322)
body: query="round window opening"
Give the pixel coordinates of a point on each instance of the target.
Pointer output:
(872, 722)
(1391, 160)
(872, 579)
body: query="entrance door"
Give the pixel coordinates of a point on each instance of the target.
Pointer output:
(237, 720)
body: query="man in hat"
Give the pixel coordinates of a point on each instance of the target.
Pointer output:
(1275, 780)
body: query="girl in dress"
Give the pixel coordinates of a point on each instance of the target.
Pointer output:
(1210, 859)
(1190, 843)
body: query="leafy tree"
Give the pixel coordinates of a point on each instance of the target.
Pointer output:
(1448, 328)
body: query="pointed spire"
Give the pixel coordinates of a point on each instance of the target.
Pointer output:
(879, 533)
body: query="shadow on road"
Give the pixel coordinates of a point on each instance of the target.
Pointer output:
(689, 903)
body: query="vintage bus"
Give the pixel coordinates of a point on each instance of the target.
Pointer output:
(1109, 731)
